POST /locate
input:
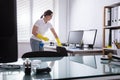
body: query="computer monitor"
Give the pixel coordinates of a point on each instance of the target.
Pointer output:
(75, 37)
(89, 37)
(8, 31)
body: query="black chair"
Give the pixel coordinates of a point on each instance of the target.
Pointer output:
(61, 52)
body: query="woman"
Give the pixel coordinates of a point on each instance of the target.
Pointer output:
(40, 27)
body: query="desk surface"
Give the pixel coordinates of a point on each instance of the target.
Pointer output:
(67, 68)
(73, 51)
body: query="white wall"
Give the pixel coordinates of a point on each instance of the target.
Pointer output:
(61, 14)
(88, 14)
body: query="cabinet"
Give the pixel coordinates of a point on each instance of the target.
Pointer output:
(111, 27)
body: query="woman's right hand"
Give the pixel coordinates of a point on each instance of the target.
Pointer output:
(42, 37)
(45, 39)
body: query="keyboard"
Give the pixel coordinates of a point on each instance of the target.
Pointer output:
(10, 66)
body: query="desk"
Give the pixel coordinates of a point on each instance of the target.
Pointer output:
(71, 67)
(73, 51)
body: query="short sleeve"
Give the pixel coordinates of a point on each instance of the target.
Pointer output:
(50, 25)
(37, 23)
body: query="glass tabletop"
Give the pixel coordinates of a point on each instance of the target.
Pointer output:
(71, 67)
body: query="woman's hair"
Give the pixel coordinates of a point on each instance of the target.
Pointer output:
(47, 13)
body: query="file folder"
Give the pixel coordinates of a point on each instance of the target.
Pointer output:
(118, 15)
(115, 16)
(108, 16)
(112, 16)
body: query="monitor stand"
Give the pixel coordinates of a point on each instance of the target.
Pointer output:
(81, 46)
(90, 46)
(72, 46)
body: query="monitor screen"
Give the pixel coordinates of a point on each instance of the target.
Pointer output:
(75, 37)
(89, 37)
(8, 31)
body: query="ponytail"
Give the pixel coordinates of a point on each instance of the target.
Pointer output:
(48, 12)
(41, 16)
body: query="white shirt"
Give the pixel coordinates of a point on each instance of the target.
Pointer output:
(42, 27)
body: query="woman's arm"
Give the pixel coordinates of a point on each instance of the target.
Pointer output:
(34, 30)
(56, 37)
(40, 36)
(54, 33)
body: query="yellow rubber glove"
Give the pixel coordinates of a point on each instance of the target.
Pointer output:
(58, 42)
(42, 37)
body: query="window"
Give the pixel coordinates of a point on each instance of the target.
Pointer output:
(28, 11)
(23, 20)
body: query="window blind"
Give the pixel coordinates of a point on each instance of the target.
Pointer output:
(23, 20)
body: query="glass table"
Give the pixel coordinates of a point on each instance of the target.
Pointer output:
(71, 67)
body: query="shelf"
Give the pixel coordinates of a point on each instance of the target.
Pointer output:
(109, 49)
(112, 31)
(113, 5)
(112, 27)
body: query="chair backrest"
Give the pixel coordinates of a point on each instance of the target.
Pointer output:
(61, 51)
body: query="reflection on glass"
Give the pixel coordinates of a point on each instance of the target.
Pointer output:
(111, 68)
(43, 71)
(87, 60)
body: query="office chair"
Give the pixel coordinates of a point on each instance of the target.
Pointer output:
(61, 52)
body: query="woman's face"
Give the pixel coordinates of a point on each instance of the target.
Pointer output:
(48, 17)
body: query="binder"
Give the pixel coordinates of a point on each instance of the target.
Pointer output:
(106, 37)
(112, 16)
(118, 35)
(118, 15)
(115, 16)
(108, 16)
(113, 38)
(110, 38)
